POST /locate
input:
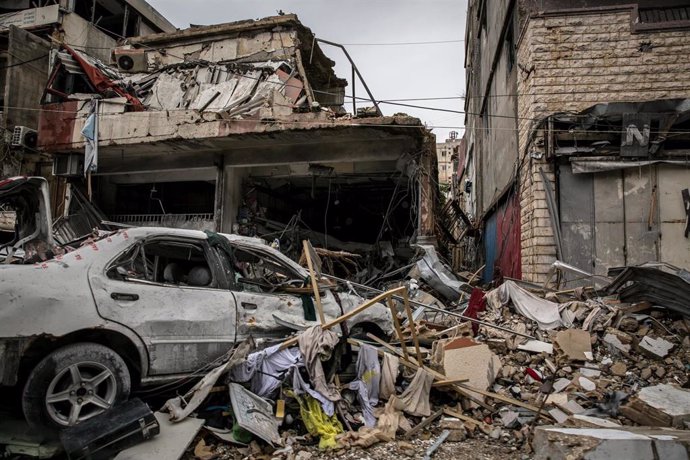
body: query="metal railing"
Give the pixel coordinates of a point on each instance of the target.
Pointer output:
(189, 221)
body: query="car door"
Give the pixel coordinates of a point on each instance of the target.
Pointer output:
(264, 308)
(173, 293)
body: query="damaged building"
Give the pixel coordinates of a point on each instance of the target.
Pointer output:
(577, 134)
(28, 30)
(240, 127)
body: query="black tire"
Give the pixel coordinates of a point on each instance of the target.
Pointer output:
(56, 373)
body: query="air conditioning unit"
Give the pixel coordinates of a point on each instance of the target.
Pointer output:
(71, 165)
(131, 60)
(23, 136)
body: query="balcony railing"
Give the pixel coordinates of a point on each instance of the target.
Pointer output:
(188, 221)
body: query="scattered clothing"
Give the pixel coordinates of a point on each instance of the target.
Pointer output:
(415, 399)
(318, 423)
(266, 369)
(317, 345)
(389, 374)
(301, 387)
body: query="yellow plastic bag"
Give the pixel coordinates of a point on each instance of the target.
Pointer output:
(318, 423)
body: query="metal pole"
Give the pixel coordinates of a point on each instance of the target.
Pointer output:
(356, 70)
(354, 95)
(431, 307)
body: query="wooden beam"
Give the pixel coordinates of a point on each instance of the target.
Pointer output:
(423, 424)
(412, 326)
(314, 282)
(369, 303)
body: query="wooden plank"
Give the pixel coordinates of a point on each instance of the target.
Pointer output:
(443, 383)
(354, 312)
(423, 424)
(314, 282)
(412, 326)
(467, 419)
(396, 324)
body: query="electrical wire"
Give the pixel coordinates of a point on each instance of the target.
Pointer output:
(404, 43)
(17, 64)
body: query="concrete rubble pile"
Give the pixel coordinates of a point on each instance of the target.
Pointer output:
(529, 371)
(533, 372)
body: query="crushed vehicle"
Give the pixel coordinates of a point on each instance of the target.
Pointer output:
(139, 306)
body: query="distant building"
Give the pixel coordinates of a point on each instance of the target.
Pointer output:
(577, 127)
(444, 156)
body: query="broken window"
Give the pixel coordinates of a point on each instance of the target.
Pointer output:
(167, 262)
(257, 272)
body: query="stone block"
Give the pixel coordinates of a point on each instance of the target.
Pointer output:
(659, 405)
(654, 348)
(642, 443)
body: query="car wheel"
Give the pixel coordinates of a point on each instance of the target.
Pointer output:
(73, 384)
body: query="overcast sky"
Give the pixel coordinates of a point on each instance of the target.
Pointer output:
(392, 72)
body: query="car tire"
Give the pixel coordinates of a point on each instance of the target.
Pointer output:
(74, 383)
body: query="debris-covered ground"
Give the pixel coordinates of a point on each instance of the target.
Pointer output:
(516, 370)
(581, 359)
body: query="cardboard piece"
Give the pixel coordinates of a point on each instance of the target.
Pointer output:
(463, 358)
(576, 344)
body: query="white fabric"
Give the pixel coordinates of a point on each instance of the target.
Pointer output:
(266, 369)
(545, 313)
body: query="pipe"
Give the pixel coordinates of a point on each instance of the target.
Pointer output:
(431, 307)
(356, 70)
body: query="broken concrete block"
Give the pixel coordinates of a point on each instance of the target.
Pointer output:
(660, 405)
(642, 443)
(536, 346)
(654, 348)
(464, 358)
(558, 415)
(590, 370)
(572, 408)
(586, 384)
(560, 385)
(576, 344)
(619, 369)
(619, 340)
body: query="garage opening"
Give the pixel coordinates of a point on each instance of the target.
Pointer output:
(350, 212)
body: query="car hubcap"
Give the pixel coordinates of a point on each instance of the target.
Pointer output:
(79, 392)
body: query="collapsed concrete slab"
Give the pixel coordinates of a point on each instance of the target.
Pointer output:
(642, 443)
(660, 405)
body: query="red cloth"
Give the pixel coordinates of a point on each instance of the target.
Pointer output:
(477, 304)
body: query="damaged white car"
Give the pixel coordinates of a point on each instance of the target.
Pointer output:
(137, 306)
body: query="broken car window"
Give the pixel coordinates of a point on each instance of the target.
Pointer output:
(165, 262)
(257, 272)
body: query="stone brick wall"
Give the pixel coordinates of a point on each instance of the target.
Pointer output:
(569, 63)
